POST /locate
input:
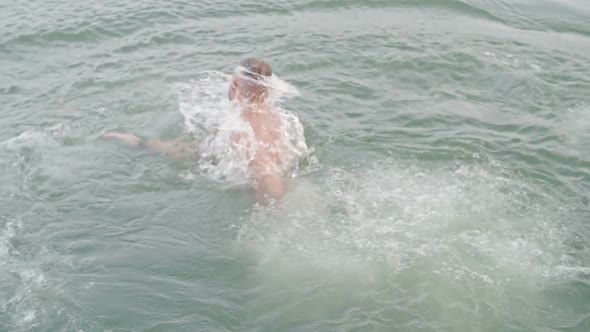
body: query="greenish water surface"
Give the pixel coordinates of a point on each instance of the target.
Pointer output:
(447, 189)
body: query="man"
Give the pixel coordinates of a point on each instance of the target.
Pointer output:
(250, 94)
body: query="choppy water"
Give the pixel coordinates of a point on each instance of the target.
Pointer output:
(447, 189)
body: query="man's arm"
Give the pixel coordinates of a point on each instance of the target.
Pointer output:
(178, 148)
(269, 187)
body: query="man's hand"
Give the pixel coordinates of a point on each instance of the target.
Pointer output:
(125, 137)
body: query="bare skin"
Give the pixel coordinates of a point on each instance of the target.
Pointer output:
(264, 167)
(266, 163)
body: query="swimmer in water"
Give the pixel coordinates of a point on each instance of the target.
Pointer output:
(249, 93)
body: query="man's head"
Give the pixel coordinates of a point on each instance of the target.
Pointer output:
(248, 81)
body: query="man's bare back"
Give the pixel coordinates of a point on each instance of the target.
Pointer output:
(266, 166)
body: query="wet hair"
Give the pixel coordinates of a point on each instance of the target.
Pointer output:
(255, 68)
(254, 73)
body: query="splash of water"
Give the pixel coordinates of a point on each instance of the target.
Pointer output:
(210, 117)
(278, 89)
(470, 222)
(390, 230)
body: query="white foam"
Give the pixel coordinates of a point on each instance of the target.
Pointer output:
(13, 271)
(508, 60)
(575, 127)
(28, 138)
(394, 237)
(467, 223)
